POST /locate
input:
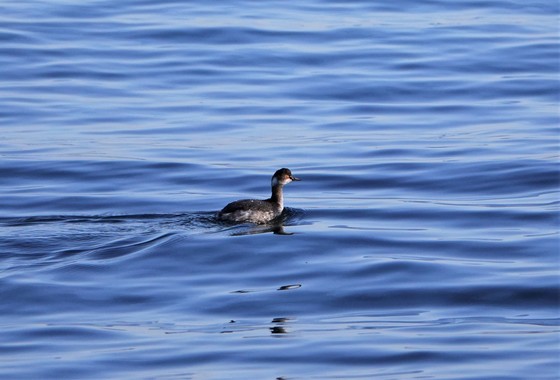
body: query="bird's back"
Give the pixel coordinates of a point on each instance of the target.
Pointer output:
(250, 210)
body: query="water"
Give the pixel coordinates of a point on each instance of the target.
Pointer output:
(422, 242)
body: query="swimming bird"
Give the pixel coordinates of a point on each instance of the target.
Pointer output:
(256, 210)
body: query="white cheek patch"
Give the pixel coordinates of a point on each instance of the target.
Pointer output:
(282, 182)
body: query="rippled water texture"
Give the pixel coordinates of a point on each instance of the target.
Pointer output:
(421, 243)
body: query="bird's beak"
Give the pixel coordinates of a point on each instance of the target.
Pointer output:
(294, 178)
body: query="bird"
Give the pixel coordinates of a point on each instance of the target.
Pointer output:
(256, 210)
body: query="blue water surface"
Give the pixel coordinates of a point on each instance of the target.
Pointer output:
(421, 243)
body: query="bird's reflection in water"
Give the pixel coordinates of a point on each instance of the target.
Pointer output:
(278, 330)
(277, 227)
(253, 230)
(279, 327)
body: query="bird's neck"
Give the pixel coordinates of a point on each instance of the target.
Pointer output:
(277, 196)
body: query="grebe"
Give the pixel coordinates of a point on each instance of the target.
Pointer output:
(260, 211)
